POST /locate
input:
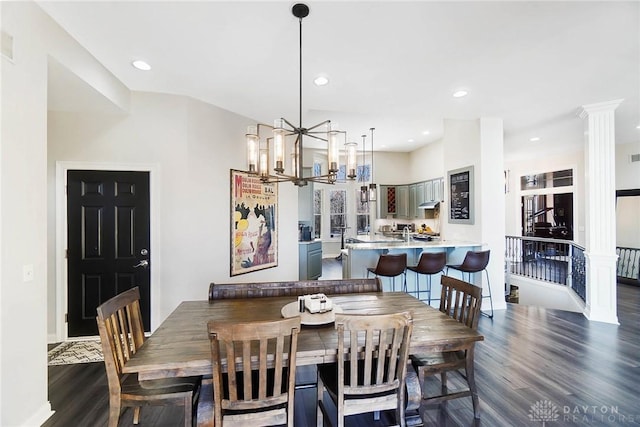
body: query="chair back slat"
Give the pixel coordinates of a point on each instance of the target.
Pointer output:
(378, 348)
(461, 301)
(253, 365)
(121, 332)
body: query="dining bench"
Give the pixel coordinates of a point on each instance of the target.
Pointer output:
(219, 291)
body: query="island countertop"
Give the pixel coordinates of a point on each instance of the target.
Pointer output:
(411, 244)
(358, 256)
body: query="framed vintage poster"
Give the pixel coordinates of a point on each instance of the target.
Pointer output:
(254, 233)
(461, 196)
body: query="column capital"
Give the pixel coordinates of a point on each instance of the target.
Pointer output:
(599, 107)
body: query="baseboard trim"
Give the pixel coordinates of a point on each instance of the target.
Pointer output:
(40, 416)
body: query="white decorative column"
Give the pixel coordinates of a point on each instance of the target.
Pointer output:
(600, 214)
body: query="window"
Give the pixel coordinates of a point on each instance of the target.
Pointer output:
(337, 211)
(363, 174)
(317, 213)
(547, 204)
(563, 178)
(362, 214)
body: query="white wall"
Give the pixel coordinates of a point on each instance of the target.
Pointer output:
(627, 173)
(23, 343)
(193, 145)
(479, 143)
(391, 168)
(461, 142)
(427, 162)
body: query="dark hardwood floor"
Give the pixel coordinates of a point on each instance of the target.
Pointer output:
(586, 373)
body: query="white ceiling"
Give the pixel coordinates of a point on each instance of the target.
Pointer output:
(392, 65)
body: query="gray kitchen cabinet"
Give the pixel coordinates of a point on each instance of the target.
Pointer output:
(309, 260)
(438, 189)
(402, 201)
(412, 201)
(382, 201)
(419, 199)
(428, 191)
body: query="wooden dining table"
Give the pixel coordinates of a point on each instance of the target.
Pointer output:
(180, 346)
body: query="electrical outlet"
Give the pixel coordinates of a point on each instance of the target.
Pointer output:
(27, 273)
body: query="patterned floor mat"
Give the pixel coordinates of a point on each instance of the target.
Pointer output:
(71, 352)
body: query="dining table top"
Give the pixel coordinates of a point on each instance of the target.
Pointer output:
(181, 347)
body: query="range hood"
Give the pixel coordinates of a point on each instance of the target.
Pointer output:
(432, 204)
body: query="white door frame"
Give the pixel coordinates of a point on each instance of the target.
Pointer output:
(61, 234)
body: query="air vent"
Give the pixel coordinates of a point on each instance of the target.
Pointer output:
(635, 158)
(7, 46)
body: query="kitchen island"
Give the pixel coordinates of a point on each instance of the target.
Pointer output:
(364, 251)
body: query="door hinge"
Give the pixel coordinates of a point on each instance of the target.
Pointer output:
(66, 253)
(66, 318)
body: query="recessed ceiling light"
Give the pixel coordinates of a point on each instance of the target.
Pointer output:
(410, 140)
(638, 127)
(426, 132)
(321, 80)
(460, 93)
(141, 65)
(534, 139)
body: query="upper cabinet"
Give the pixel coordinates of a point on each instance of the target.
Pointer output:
(428, 191)
(419, 199)
(438, 189)
(402, 201)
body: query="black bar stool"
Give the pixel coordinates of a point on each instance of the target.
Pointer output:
(391, 266)
(474, 262)
(430, 263)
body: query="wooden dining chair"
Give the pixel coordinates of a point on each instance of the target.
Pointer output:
(372, 363)
(257, 387)
(122, 334)
(462, 302)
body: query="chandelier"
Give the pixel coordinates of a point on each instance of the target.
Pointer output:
(259, 148)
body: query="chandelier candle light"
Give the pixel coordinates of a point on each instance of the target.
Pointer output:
(258, 150)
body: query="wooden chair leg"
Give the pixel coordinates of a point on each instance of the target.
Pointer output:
(114, 412)
(444, 390)
(400, 415)
(471, 382)
(136, 415)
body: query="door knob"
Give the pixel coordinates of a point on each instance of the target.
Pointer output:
(143, 263)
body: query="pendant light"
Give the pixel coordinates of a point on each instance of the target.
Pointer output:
(364, 192)
(372, 186)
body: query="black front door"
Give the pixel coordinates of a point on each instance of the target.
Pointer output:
(108, 243)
